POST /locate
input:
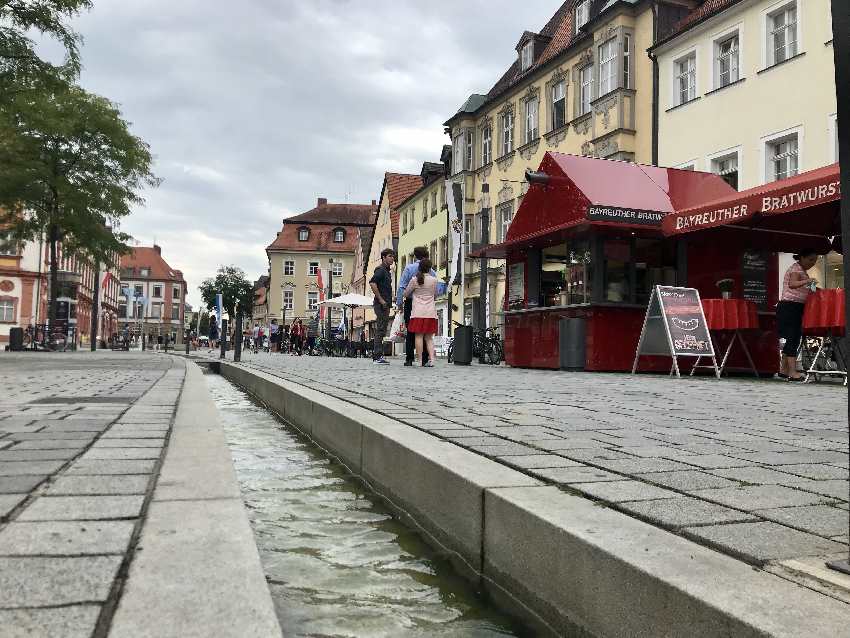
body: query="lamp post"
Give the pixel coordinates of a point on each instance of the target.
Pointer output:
(841, 53)
(288, 285)
(330, 295)
(483, 305)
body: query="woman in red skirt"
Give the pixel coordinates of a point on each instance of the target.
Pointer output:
(423, 318)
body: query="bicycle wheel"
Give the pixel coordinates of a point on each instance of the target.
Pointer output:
(450, 355)
(498, 354)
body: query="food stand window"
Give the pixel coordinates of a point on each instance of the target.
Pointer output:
(553, 280)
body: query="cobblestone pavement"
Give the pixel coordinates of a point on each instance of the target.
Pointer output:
(756, 469)
(81, 438)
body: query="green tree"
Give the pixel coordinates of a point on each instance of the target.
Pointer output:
(20, 66)
(70, 170)
(204, 323)
(237, 293)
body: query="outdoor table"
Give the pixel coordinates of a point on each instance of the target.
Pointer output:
(824, 317)
(730, 316)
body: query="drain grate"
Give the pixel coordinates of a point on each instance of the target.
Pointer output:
(60, 400)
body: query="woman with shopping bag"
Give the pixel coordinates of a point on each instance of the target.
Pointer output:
(424, 289)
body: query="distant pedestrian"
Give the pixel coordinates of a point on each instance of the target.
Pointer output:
(274, 333)
(422, 290)
(298, 334)
(158, 343)
(419, 253)
(255, 337)
(381, 284)
(796, 287)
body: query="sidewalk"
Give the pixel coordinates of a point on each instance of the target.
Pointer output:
(103, 526)
(754, 469)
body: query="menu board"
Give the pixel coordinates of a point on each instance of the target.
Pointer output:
(685, 321)
(754, 272)
(516, 284)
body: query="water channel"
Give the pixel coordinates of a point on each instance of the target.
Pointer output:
(337, 562)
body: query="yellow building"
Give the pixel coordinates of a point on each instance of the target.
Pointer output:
(423, 221)
(582, 85)
(324, 239)
(747, 90)
(396, 188)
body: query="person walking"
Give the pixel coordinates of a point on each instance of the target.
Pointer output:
(158, 342)
(381, 284)
(255, 337)
(274, 333)
(422, 290)
(298, 336)
(796, 286)
(412, 270)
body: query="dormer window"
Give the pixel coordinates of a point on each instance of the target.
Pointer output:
(339, 235)
(303, 234)
(526, 55)
(582, 13)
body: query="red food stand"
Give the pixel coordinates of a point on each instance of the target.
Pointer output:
(593, 237)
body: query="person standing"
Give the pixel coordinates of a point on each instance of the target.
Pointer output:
(274, 332)
(796, 286)
(422, 290)
(419, 253)
(381, 284)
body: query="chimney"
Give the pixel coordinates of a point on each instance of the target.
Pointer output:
(374, 203)
(158, 250)
(323, 201)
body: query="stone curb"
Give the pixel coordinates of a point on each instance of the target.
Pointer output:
(563, 563)
(197, 570)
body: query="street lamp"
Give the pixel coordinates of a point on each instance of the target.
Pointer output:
(283, 287)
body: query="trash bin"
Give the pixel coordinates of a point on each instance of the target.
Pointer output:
(462, 348)
(571, 346)
(16, 339)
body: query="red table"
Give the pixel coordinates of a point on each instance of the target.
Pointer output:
(824, 317)
(731, 315)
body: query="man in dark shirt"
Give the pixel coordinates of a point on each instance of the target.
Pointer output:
(381, 284)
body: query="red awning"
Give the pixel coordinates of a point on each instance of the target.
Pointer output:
(771, 208)
(581, 192)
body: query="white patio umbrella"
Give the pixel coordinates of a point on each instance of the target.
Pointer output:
(351, 300)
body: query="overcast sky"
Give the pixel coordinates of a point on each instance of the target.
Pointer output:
(253, 109)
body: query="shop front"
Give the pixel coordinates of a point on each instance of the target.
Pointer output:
(585, 251)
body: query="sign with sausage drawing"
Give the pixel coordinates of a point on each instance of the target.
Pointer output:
(675, 327)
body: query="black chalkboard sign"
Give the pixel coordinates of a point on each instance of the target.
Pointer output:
(675, 326)
(754, 272)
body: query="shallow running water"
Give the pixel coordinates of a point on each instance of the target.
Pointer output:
(337, 563)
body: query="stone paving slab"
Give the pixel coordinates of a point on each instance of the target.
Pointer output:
(76, 621)
(19, 484)
(620, 491)
(23, 468)
(82, 508)
(128, 453)
(110, 466)
(8, 502)
(684, 511)
(29, 581)
(64, 538)
(36, 455)
(98, 485)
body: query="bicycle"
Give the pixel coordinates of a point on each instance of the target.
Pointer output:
(486, 341)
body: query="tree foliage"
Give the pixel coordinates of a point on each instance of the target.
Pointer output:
(20, 66)
(69, 160)
(236, 291)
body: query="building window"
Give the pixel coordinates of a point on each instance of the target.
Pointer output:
(145, 272)
(486, 145)
(288, 299)
(507, 132)
(313, 268)
(527, 56)
(531, 130)
(403, 222)
(412, 218)
(138, 290)
(727, 167)
(336, 269)
(157, 292)
(444, 251)
(7, 310)
(607, 66)
(782, 34)
(726, 61)
(505, 213)
(582, 14)
(467, 156)
(833, 129)
(425, 209)
(339, 235)
(467, 235)
(8, 247)
(782, 157)
(122, 311)
(586, 88)
(627, 60)
(559, 104)
(289, 268)
(432, 254)
(312, 300)
(175, 313)
(156, 311)
(686, 78)
(303, 234)
(434, 204)
(175, 293)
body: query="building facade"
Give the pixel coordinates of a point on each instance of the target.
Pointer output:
(153, 295)
(312, 250)
(582, 85)
(763, 70)
(25, 290)
(423, 221)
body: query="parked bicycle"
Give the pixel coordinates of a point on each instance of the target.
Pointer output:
(486, 341)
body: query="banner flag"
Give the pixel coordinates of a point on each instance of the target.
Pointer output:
(320, 282)
(454, 198)
(218, 311)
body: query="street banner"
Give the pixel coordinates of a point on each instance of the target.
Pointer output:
(454, 200)
(675, 326)
(320, 282)
(218, 311)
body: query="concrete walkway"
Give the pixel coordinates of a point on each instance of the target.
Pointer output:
(119, 510)
(755, 469)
